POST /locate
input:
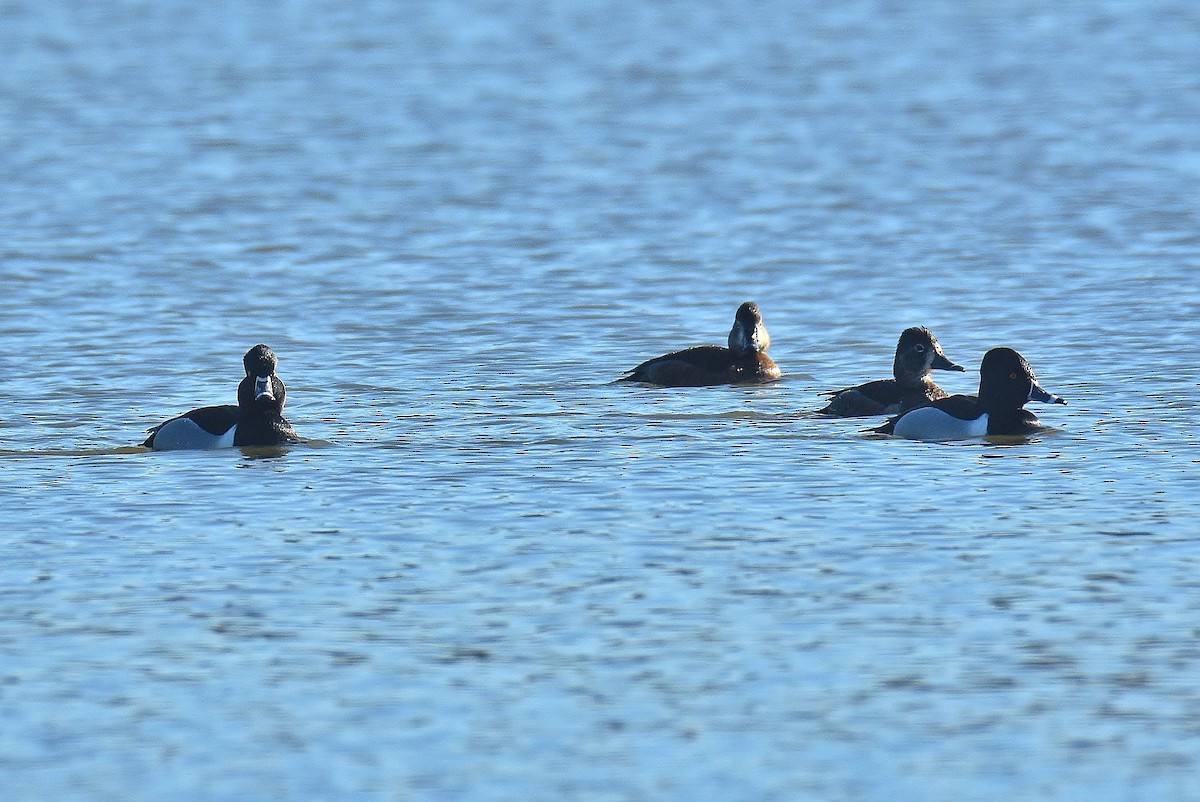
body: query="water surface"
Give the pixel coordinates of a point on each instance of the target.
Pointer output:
(491, 573)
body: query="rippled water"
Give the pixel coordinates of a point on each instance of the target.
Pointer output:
(491, 573)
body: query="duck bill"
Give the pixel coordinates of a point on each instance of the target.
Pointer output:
(1036, 393)
(745, 340)
(263, 388)
(941, 363)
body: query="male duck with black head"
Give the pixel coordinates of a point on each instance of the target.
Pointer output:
(917, 353)
(256, 420)
(745, 361)
(1006, 384)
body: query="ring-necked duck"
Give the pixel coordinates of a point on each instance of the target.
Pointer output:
(745, 360)
(917, 353)
(256, 420)
(1006, 383)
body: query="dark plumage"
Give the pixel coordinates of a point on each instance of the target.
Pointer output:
(744, 361)
(917, 353)
(1006, 384)
(256, 420)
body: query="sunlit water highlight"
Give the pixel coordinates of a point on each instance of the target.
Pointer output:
(491, 573)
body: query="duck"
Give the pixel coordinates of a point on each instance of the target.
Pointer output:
(256, 420)
(917, 353)
(1006, 384)
(745, 361)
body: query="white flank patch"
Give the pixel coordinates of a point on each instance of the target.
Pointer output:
(226, 440)
(931, 423)
(183, 433)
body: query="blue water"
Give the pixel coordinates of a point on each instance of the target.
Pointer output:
(492, 574)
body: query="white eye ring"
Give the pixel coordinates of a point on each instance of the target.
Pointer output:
(920, 349)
